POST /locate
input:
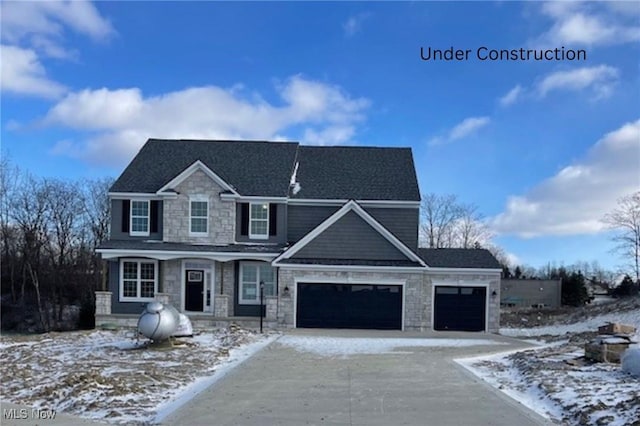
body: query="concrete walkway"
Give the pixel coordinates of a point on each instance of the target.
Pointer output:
(414, 386)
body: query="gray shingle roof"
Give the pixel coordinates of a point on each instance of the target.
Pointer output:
(459, 258)
(252, 168)
(264, 169)
(360, 173)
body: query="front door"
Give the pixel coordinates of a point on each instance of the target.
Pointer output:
(194, 291)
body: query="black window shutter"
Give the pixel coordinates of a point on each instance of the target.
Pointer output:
(153, 216)
(273, 219)
(244, 219)
(126, 209)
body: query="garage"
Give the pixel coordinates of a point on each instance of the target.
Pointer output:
(337, 305)
(459, 308)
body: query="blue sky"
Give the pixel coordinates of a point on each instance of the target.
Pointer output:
(543, 148)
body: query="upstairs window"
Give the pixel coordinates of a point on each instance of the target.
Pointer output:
(139, 218)
(259, 221)
(199, 216)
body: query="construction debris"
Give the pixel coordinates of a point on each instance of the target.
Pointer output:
(609, 346)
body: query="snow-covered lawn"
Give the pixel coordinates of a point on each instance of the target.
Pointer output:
(111, 376)
(345, 346)
(557, 382)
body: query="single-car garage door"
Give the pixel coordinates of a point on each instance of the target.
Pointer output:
(349, 306)
(460, 308)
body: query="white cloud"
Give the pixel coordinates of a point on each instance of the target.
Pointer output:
(32, 30)
(512, 96)
(574, 200)
(591, 23)
(125, 119)
(600, 79)
(353, 25)
(24, 19)
(461, 130)
(23, 73)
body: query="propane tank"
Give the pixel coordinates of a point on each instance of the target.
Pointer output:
(158, 321)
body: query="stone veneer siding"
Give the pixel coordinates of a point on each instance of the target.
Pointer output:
(417, 293)
(222, 214)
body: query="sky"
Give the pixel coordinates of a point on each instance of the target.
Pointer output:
(543, 148)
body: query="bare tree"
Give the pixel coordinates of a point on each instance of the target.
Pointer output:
(470, 230)
(97, 210)
(439, 214)
(625, 221)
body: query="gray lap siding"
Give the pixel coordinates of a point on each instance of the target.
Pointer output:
(117, 233)
(350, 238)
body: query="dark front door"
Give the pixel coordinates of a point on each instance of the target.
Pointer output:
(194, 291)
(460, 308)
(349, 306)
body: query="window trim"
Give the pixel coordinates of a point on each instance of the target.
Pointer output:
(264, 236)
(202, 199)
(241, 300)
(138, 262)
(139, 233)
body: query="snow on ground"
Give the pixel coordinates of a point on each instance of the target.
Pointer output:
(557, 382)
(631, 317)
(114, 377)
(345, 346)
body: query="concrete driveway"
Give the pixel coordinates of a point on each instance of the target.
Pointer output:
(412, 385)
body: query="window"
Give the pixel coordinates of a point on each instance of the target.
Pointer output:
(139, 217)
(199, 216)
(138, 280)
(259, 221)
(251, 274)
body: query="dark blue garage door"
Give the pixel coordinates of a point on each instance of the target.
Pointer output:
(460, 308)
(349, 306)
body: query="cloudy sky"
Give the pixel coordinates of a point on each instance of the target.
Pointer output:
(542, 147)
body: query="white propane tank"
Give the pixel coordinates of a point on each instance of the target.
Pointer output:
(158, 321)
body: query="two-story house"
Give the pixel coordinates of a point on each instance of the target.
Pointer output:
(319, 236)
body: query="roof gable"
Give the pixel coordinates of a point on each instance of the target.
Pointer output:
(251, 168)
(186, 173)
(351, 214)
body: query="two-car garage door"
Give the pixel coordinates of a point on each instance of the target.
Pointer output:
(336, 305)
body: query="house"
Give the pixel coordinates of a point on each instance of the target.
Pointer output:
(307, 236)
(531, 293)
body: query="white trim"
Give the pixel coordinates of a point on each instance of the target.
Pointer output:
(259, 236)
(460, 283)
(253, 198)
(355, 268)
(170, 255)
(140, 233)
(199, 199)
(350, 206)
(340, 202)
(348, 280)
(197, 165)
(241, 300)
(138, 262)
(183, 285)
(134, 195)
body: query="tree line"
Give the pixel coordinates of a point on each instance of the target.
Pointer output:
(49, 229)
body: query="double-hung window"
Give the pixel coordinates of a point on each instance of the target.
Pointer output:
(259, 221)
(252, 274)
(199, 216)
(138, 280)
(139, 217)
